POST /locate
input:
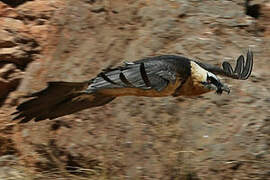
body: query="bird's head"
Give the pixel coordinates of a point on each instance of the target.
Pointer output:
(206, 81)
(212, 82)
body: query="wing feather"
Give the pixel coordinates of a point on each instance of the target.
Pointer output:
(144, 76)
(124, 80)
(152, 74)
(239, 65)
(227, 67)
(249, 65)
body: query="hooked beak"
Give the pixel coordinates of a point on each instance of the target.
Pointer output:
(218, 87)
(221, 88)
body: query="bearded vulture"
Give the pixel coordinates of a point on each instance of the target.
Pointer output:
(159, 76)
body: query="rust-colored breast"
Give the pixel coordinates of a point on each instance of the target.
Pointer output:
(192, 88)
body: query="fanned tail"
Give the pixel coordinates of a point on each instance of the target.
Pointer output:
(59, 99)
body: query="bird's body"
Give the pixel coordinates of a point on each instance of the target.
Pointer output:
(164, 75)
(166, 79)
(158, 76)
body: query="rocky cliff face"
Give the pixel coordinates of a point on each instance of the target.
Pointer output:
(207, 137)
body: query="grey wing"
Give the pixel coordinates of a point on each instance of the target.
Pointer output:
(241, 71)
(144, 75)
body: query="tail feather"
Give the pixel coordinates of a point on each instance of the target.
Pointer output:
(76, 104)
(55, 88)
(59, 99)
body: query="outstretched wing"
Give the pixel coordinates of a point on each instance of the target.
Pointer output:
(152, 73)
(241, 71)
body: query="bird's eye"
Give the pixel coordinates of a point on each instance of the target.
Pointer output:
(211, 79)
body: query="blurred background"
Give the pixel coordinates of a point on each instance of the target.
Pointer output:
(205, 137)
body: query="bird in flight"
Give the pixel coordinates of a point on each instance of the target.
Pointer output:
(159, 76)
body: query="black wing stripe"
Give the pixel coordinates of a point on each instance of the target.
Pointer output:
(248, 66)
(227, 68)
(106, 78)
(239, 66)
(250, 58)
(124, 80)
(144, 75)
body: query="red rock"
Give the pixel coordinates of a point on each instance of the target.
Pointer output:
(265, 19)
(265, 11)
(37, 9)
(9, 78)
(13, 54)
(6, 39)
(12, 24)
(6, 11)
(40, 33)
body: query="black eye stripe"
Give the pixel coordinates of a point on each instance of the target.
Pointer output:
(213, 80)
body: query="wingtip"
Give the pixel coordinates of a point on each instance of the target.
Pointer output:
(248, 65)
(15, 113)
(24, 120)
(227, 67)
(239, 65)
(251, 60)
